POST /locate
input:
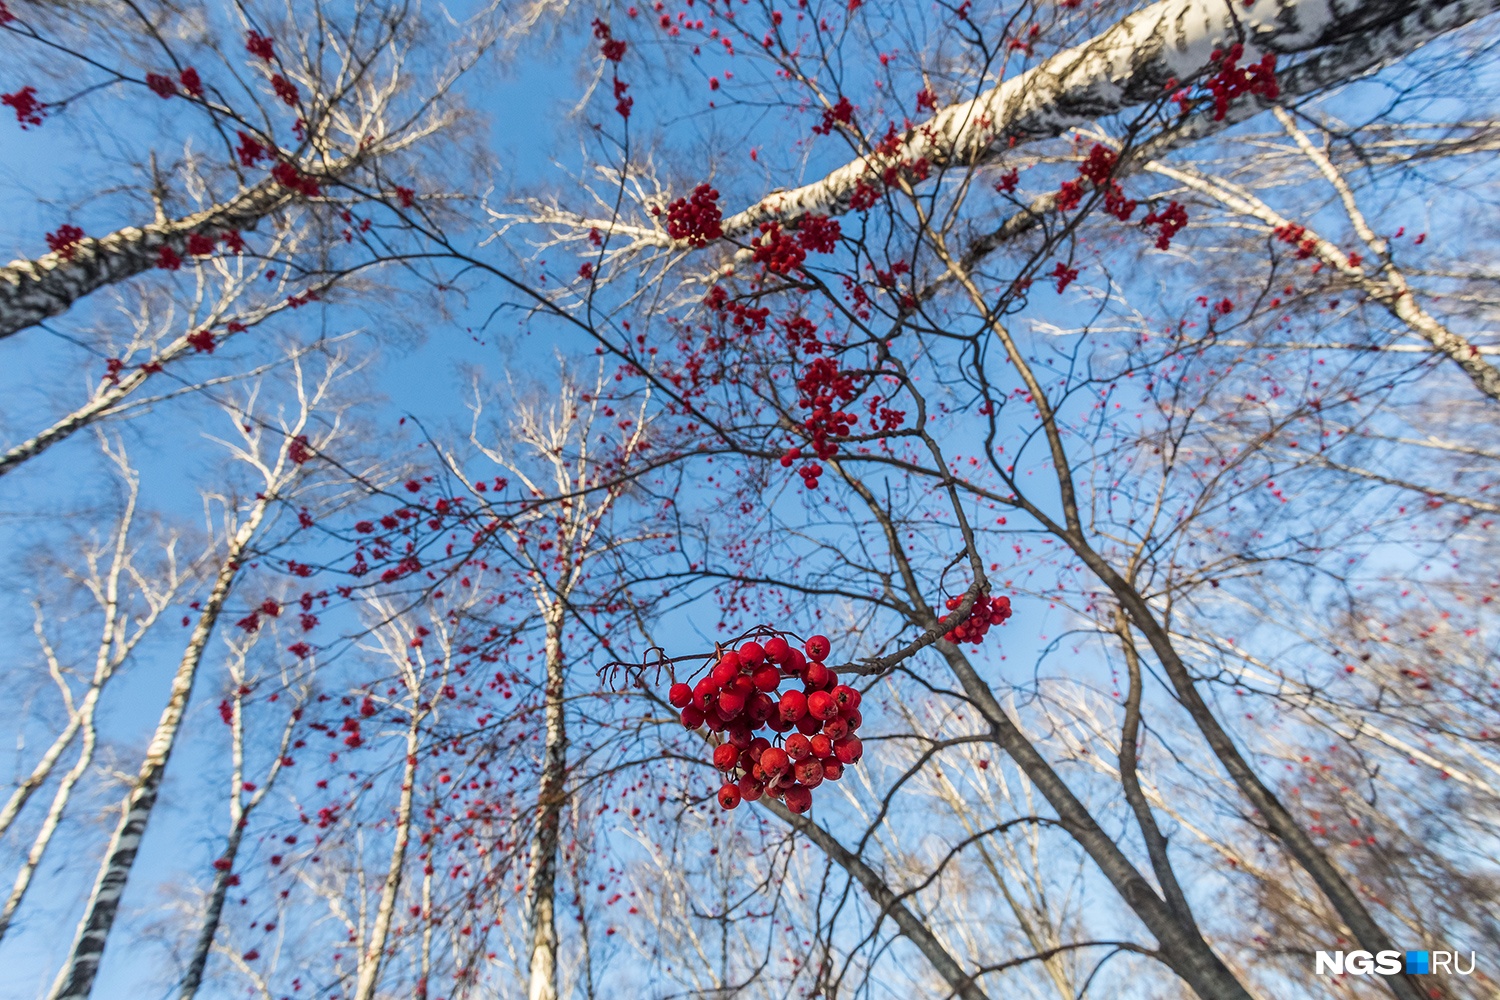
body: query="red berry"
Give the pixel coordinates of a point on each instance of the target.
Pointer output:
(848, 750)
(705, 694)
(734, 662)
(726, 756)
(692, 717)
(680, 695)
(742, 685)
(820, 705)
(798, 663)
(822, 746)
(777, 724)
(778, 649)
(809, 772)
(816, 676)
(846, 697)
(726, 670)
(774, 761)
(798, 747)
(752, 655)
(729, 796)
(731, 703)
(817, 648)
(767, 678)
(792, 707)
(832, 770)
(739, 735)
(798, 799)
(809, 724)
(758, 746)
(836, 728)
(852, 717)
(750, 789)
(760, 707)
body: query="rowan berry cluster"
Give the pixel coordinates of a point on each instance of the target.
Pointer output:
(987, 612)
(1233, 80)
(1097, 168)
(822, 383)
(780, 251)
(696, 219)
(1171, 219)
(65, 241)
(29, 111)
(1297, 235)
(741, 695)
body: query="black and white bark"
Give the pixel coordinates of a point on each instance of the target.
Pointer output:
(34, 290)
(117, 642)
(241, 805)
(1129, 66)
(267, 455)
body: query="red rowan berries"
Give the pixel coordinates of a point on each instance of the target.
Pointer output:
(750, 789)
(760, 708)
(798, 747)
(817, 648)
(822, 746)
(836, 728)
(731, 703)
(848, 750)
(809, 724)
(833, 770)
(820, 704)
(816, 676)
(774, 761)
(846, 697)
(778, 649)
(729, 796)
(680, 696)
(726, 756)
(725, 670)
(798, 799)
(793, 706)
(692, 717)
(809, 772)
(767, 678)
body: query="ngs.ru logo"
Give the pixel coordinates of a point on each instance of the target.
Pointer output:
(1391, 963)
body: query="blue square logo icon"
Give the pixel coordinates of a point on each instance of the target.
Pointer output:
(1417, 963)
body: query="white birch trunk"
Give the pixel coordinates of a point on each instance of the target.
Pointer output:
(374, 953)
(541, 875)
(76, 978)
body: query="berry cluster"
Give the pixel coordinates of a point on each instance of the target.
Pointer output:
(736, 699)
(1233, 81)
(696, 219)
(987, 612)
(1171, 219)
(822, 383)
(778, 250)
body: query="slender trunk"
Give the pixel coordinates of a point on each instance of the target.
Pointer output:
(105, 662)
(210, 927)
(912, 927)
(239, 818)
(49, 825)
(374, 953)
(1156, 841)
(1182, 947)
(541, 877)
(1356, 916)
(76, 978)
